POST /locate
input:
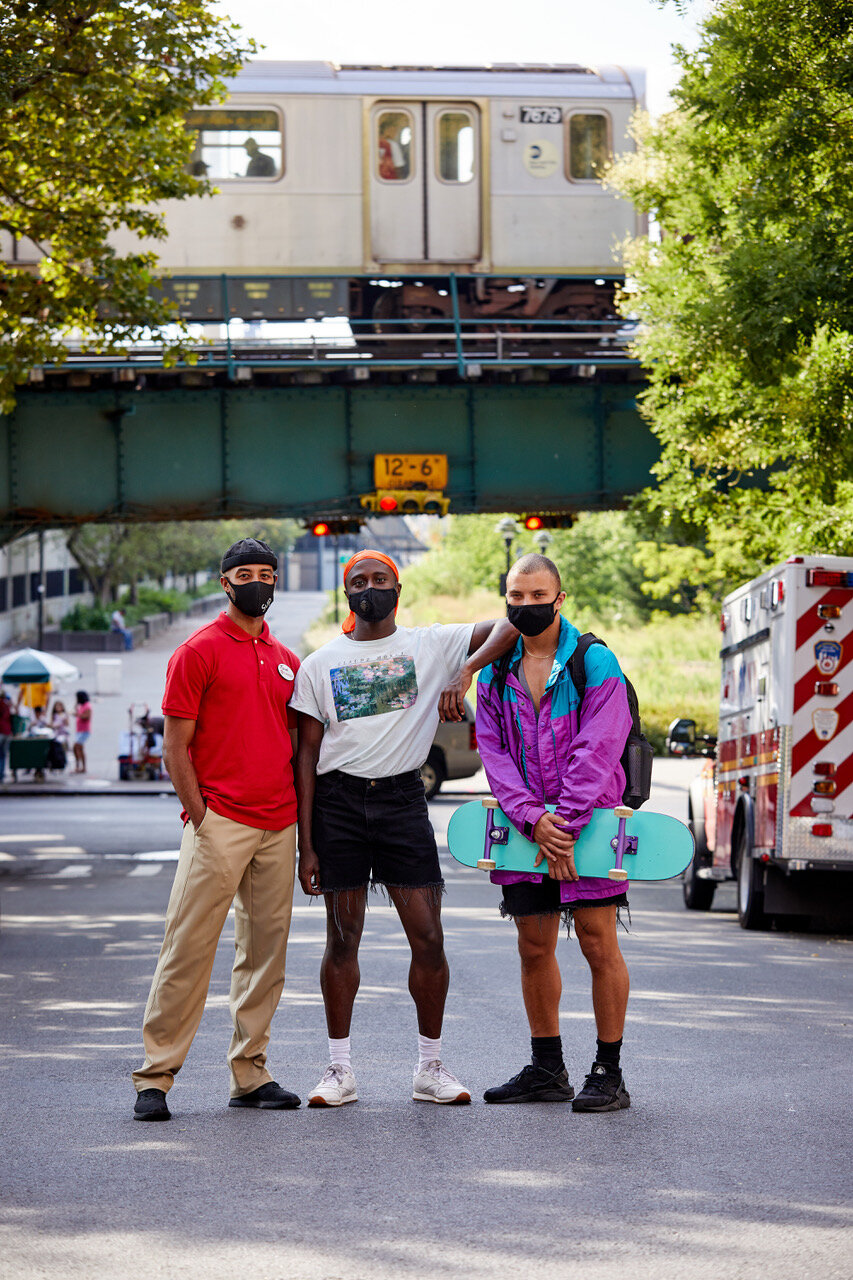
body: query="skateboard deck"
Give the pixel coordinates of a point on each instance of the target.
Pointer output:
(616, 844)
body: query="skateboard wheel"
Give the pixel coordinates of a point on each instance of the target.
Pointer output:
(486, 864)
(617, 873)
(622, 811)
(490, 803)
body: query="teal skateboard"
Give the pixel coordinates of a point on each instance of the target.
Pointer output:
(616, 844)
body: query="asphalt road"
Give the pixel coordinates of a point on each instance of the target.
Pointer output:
(733, 1161)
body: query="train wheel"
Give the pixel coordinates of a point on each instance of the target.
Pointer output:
(386, 308)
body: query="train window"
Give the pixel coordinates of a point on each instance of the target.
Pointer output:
(455, 139)
(236, 143)
(394, 146)
(589, 146)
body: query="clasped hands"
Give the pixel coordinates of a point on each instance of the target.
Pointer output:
(556, 846)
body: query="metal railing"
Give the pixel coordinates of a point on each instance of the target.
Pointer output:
(470, 345)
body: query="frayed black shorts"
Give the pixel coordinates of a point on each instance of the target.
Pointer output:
(543, 899)
(374, 831)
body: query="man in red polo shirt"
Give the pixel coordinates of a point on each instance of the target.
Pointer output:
(229, 741)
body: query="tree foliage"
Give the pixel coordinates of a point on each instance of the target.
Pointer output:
(595, 558)
(111, 556)
(745, 305)
(93, 99)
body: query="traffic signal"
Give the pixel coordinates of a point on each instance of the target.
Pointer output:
(334, 528)
(548, 520)
(406, 502)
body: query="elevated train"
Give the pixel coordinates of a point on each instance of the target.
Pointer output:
(406, 193)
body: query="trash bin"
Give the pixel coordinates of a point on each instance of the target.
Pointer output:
(107, 675)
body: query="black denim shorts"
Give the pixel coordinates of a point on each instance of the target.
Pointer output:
(543, 899)
(374, 831)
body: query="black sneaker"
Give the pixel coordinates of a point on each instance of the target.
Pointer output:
(269, 1097)
(533, 1084)
(151, 1105)
(603, 1090)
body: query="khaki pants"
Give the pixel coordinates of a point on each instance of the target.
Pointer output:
(221, 862)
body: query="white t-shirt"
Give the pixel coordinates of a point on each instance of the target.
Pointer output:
(378, 699)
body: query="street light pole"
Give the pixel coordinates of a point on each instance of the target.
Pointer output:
(40, 591)
(508, 529)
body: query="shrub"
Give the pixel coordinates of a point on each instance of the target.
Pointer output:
(85, 617)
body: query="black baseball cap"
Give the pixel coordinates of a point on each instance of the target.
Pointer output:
(248, 551)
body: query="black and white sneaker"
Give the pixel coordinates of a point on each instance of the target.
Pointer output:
(603, 1090)
(533, 1084)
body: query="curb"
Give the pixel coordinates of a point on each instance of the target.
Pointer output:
(35, 790)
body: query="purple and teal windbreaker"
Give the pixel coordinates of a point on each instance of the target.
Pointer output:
(558, 757)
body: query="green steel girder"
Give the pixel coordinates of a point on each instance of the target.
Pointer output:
(72, 456)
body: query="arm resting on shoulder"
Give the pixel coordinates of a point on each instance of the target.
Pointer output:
(177, 736)
(489, 641)
(310, 737)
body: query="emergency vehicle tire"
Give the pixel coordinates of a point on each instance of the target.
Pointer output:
(698, 894)
(750, 889)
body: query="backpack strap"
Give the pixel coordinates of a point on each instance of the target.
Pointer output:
(577, 664)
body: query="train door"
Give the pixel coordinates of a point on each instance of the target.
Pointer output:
(424, 187)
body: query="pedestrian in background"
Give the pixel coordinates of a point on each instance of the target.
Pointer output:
(229, 740)
(84, 729)
(5, 732)
(118, 623)
(60, 723)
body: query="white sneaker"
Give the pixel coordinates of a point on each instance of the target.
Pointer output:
(335, 1088)
(434, 1083)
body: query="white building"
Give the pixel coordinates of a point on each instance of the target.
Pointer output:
(24, 567)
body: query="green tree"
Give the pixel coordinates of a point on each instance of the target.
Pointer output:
(114, 555)
(745, 304)
(595, 558)
(93, 100)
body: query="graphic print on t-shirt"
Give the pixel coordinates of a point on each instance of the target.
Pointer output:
(374, 688)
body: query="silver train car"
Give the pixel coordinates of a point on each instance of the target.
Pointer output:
(389, 193)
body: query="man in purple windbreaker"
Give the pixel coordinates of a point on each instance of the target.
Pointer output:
(540, 744)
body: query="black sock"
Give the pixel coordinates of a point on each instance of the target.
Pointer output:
(547, 1052)
(608, 1053)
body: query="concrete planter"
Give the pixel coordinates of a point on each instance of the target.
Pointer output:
(91, 641)
(155, 624)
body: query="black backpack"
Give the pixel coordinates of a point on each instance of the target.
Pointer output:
(638, 754)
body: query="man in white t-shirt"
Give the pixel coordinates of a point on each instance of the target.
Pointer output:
(368, 706)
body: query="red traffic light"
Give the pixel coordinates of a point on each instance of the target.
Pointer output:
(533, 522)
(387, 503)
(320, 529)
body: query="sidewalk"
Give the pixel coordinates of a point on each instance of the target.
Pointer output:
(143, 674)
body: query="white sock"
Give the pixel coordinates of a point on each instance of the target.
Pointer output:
(428, 1051)
(339, 1051)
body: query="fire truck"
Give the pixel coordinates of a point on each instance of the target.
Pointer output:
(773, 807)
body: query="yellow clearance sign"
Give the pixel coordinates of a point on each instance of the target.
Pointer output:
(410, 470)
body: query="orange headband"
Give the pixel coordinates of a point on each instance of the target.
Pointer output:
(349, 621)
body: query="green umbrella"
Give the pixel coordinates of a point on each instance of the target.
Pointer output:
(31, 666)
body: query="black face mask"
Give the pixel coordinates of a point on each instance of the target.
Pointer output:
(532, 619)
(252, 598)
(374, 604)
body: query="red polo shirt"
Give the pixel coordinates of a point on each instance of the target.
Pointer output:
(237, 688)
